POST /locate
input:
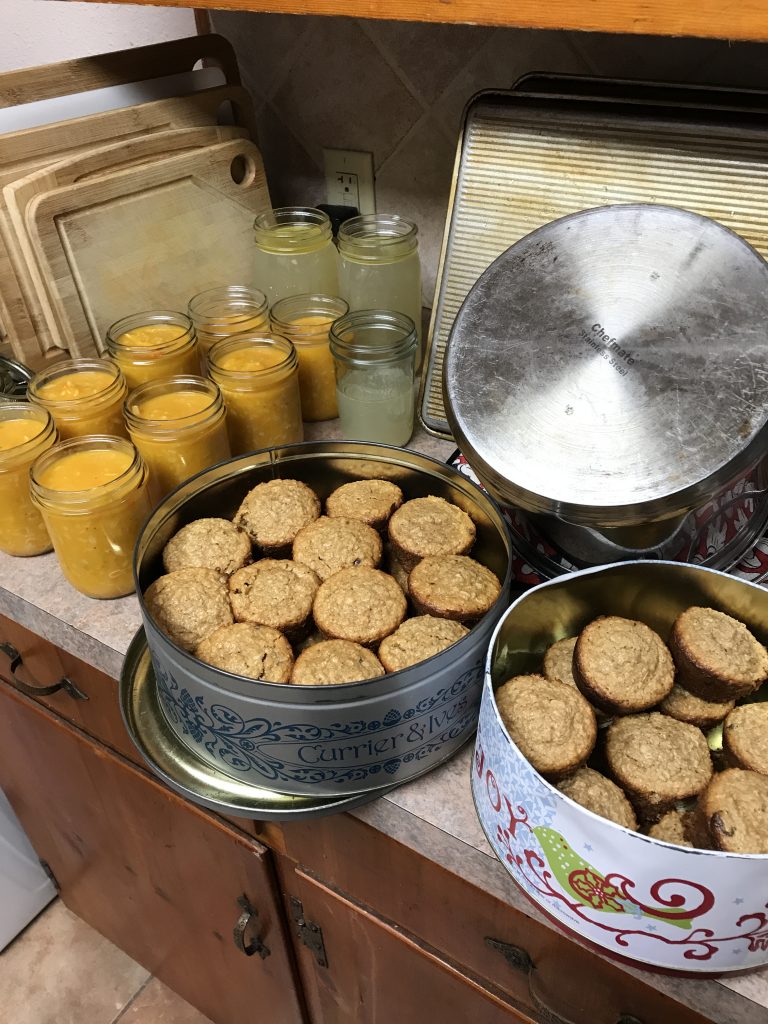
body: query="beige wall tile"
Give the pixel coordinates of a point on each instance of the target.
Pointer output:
(157, 1004)
(293, 177)
(266, 47)
(61, 971)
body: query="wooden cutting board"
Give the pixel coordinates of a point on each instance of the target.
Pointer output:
(18, 193)
(22, 319)
(147, 237)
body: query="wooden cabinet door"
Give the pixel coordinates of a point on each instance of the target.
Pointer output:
(154, 874)
(377, 974)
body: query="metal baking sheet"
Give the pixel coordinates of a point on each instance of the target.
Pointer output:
(525, 159)
(185, 773)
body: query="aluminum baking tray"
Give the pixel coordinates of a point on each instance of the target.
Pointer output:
(525, 158)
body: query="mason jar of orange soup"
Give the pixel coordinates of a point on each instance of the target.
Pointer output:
(152, 345)
(84, 396)
(179, 427)
(232, 309)
(93, 495)
(258, 377)
(26, 431)
(306, 320)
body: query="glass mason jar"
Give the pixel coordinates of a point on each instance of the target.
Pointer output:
(379, 266)
(375, 355)
(259, 379)
(26, 431)
(148, 346)
(84, 396)
(306, 321)
(295, 254)
(221, 312)
(92, 492)
(179, 427)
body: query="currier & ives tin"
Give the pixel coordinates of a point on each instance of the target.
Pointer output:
(637, 898)
(324, 740)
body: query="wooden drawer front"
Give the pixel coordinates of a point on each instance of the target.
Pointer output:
(43, 665)
(375, 974)
(157, 876)
(458, 919)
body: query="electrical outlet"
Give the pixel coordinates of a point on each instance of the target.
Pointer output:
(349, 179)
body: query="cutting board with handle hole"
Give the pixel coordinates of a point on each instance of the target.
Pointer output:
(23, 321)
(18, 193)
(148, 236)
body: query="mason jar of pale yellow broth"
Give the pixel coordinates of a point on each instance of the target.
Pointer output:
(258, 377)
(93, 495)
(151, 345)
(232, 309)
(295, 254)
(179, 427)
(306, 320)
(84, 396)
(26, 431)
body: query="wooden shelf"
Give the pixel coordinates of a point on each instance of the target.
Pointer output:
(744, 19)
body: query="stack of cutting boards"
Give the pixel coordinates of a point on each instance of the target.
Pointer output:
(128, 206)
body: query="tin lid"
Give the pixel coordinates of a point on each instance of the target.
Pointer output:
(610, 366)
(14, 377)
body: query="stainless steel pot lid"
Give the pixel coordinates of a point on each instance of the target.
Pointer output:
(610, 367)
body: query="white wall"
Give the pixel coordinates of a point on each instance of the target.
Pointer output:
(42, 31)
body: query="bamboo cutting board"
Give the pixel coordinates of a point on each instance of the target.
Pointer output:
(22, 318)
(19, 193)
(147, 237)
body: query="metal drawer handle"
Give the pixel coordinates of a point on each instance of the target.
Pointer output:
(38, 691)
(248, 914)
(519, 959)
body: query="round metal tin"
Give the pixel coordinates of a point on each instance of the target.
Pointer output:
(609, 368)
(185, 773)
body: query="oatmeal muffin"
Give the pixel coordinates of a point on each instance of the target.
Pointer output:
(622, 666)
(272, 513)
(598, 794)
(672, 827)
(417, 639)
(369, 501)
(657, 761)
(258, 652)
(735, 809)
(209, 544)
(551, 723)
(328, 545)
(274, 592)
(397, 570)
(453, 587)
(686, 707)
(335, 661)
(429, 526)
(558, 662)
(745, 738)
(189, 604)
(717, 657)
(360, 604)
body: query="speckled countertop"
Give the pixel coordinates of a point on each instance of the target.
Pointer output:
(433, 815)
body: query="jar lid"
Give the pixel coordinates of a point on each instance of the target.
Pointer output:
(609, 367)
(14, 377)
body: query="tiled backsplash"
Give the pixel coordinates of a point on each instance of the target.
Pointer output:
(397, 89)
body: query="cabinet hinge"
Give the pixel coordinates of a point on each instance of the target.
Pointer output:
(308, 933)
(47, 869)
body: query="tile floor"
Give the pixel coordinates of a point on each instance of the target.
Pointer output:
(61, 971)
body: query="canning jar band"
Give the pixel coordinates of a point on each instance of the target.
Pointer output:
(185, 339)
(287, 311)
(82, 501)
(11, 458)
(111, 392)
(246, 380)
(292, 229)
(203, 419)
(397, 331)
(220, 309)
(377, 238)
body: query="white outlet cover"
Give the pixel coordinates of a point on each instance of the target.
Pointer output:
(339, 165)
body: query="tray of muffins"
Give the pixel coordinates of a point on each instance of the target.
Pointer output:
(621, 764)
